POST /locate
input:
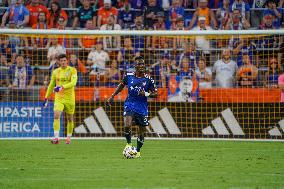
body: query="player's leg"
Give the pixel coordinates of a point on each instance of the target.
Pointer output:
(58, 108)
(127, 129)
(142, 122)
(69, 109)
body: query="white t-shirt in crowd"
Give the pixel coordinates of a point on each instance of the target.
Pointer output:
(99, 59)
(200, 75)
(225, 73)
(55, 50)
(201, 41)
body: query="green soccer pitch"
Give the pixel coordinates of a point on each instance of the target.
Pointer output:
(164, 164)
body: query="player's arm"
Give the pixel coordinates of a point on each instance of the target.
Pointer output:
(153, 91)
(51, 85)
(118, 89)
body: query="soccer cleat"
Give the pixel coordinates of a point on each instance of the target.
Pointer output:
(68, 140)
(55, 141)
(138, 155)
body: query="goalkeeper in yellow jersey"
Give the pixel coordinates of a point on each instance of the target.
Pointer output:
(62, 83)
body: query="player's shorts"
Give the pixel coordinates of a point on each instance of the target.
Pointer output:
(69, 108)
(138, 119)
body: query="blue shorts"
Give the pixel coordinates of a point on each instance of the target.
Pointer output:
(137, 118)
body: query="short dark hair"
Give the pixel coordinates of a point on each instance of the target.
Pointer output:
(137, 58)
(62, 56)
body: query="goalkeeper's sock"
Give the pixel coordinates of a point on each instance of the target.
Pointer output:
(70, 127)
(140, 142)
(56, 127)
(127, 135)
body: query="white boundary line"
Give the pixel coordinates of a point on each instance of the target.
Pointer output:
(151, 138)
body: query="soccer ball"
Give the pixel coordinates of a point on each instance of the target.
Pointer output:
(129, 152)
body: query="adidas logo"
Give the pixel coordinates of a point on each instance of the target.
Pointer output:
(168, 121)
(107, 127)
(93, 126)
(219, 126)
(275, 131)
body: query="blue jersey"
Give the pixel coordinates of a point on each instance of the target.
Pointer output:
(135, 102)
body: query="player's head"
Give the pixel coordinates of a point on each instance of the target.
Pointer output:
(186, 85)
(20, 61)
(62, 59)
(140, 64)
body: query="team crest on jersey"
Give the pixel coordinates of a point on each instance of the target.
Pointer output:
(144, 83)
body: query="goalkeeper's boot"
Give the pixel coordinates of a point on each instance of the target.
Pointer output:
(138, 155)
(68, 140)
(55, 141)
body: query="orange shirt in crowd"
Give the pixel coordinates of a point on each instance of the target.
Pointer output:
(106, 13)
(34, 11)
(89, 41)
(204, 13)
(50, 18)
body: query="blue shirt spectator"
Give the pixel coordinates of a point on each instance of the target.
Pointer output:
(16, 13)
(243, 7)
(126, 17)
(275, 12)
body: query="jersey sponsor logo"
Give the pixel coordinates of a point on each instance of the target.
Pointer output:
(220, 127)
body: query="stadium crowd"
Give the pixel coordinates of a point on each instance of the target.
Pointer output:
(101, 61)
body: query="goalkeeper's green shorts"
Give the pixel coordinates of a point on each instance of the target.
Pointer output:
(69, 108)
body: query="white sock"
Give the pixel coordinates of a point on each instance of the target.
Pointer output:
(56, 134)
(69, 135)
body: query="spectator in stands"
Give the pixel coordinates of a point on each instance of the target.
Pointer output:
(17, 13)
(111, 42)
(3, 3)
(204, 74)
(54, 14)
(166, 68)
(200, 41)
(54, 49)
(81, 69)
(41, 24)
(224, 70)
(105, 12)
(267, 23)
(244, 45)
(247, 73)
(243, 7)
(138, 4)
(113, 76)
(271, 76)
(223, 14)
(35, 8)
(274, 11)
(86, 12)
(256, 15)
(98, 58)
(20, 79)
(138, 41)
(178, 42)
(126, 55)
(3, 76)
(176, 11)
(160, 24)
(237, 21)
(39, 77)
(203, 12)
(8, 52)
(189, 52)
(126, 16)
(281, 86)
(150, 13)
(87, 41)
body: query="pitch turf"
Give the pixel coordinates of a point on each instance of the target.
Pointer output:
(165, 164)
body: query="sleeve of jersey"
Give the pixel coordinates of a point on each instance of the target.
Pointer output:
(153, 86)
(51, 85)
(73, 81)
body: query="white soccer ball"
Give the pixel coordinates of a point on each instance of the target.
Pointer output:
(129, 152)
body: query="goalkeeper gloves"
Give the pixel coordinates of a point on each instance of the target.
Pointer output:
(45, 103)
(58, 89)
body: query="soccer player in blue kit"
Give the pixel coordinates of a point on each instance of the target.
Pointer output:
(140, 87)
